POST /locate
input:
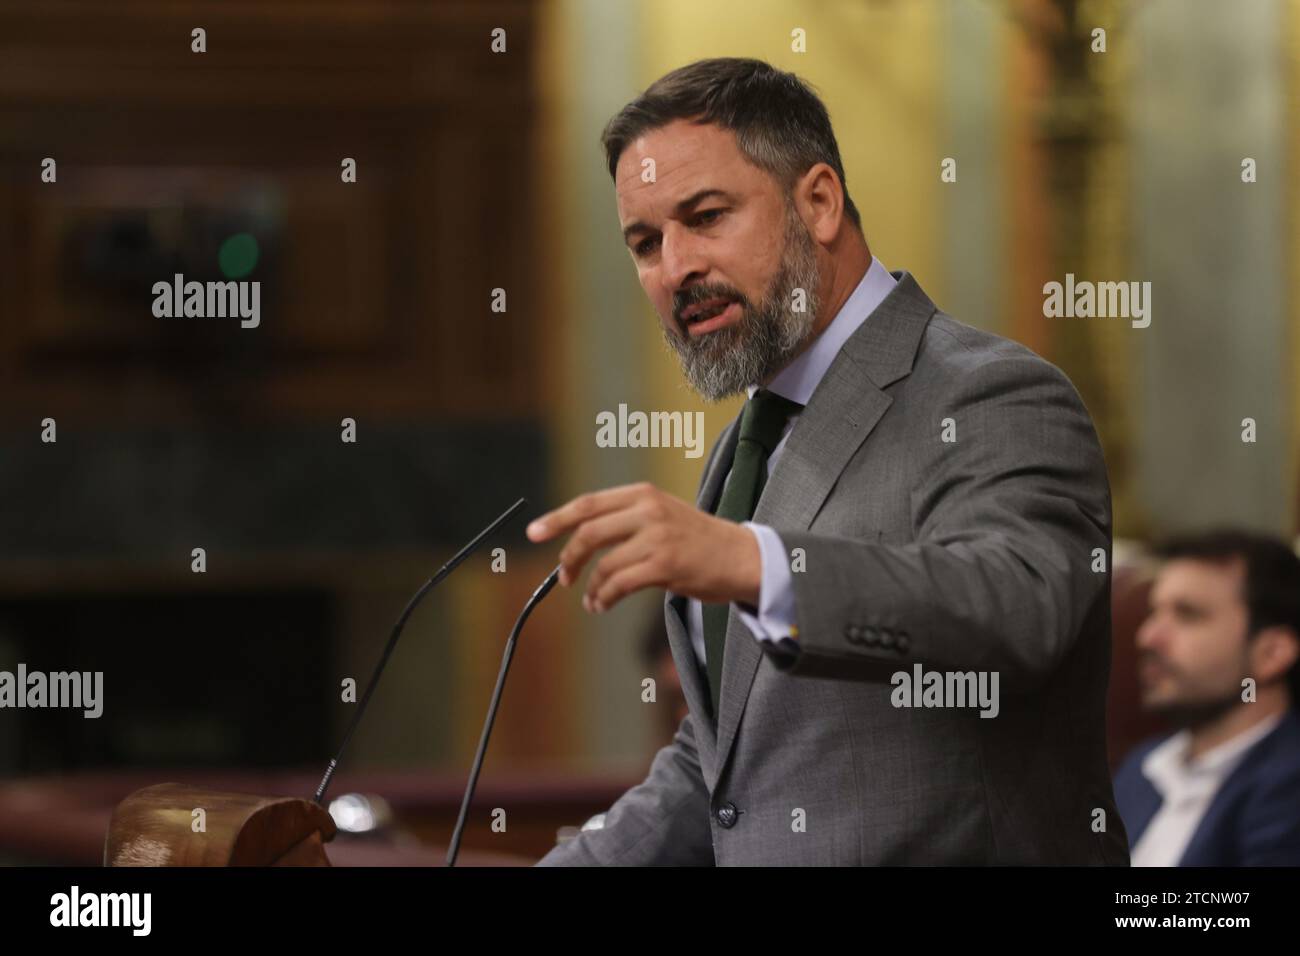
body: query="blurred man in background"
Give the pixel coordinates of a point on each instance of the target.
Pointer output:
(1218, 659)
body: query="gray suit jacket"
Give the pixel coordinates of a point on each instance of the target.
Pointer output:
(966, 555)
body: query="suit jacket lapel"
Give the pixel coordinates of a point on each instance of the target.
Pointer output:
(679, 640)
(1202, 848)
(843, 410)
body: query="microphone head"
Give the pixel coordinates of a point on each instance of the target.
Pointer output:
(545, 587)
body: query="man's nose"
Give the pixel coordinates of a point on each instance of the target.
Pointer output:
(681, 259)
(1151, 632)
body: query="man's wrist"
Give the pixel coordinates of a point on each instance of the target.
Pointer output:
(750, 570)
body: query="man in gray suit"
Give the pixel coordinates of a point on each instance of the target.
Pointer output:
(890, 603)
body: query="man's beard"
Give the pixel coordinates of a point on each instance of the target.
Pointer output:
(722, 363)
(1193, 714)
(1189, 706)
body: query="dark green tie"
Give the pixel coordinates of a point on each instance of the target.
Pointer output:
(761, 424)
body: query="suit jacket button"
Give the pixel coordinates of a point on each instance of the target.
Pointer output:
(727, 815)
(873, 637)
(853, 633)
(903, 643)
(888, 639)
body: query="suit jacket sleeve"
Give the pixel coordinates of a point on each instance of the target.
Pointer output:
(999, 573)
(661, 821)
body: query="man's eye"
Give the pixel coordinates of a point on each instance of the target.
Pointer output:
(644, 246)
(708, 216)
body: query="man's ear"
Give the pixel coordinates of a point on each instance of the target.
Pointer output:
(819, 198)
(1273, 652)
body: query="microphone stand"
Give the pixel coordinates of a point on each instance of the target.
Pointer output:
(542, 590)
(429, 585)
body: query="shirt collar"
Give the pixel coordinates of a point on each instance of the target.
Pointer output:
(798, 380)
(1170, 772)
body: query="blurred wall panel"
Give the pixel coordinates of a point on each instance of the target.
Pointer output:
(1214, 251)
(181, 432)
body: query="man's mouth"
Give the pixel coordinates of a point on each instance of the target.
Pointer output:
(1152, 670)
(704, 317)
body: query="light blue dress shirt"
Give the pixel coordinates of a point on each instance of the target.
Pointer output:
(797, 382)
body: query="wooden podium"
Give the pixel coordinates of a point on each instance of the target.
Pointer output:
(155, 827)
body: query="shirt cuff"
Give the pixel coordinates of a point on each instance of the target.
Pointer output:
(774, 620)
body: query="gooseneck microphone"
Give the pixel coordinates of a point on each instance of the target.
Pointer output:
(428, 586)
(542, 590)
